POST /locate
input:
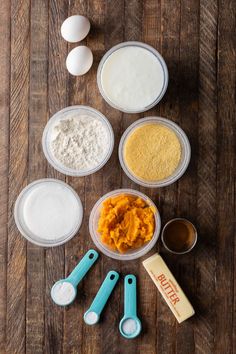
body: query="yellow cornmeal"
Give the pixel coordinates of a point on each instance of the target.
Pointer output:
(152, 152)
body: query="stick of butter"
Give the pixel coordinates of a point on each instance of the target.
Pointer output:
(168, 287)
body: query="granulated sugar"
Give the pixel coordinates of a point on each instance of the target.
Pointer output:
(80, 142)
(50, 211)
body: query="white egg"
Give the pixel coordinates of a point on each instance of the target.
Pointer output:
(75, 28)
(79, 60)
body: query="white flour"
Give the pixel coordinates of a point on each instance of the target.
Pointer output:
(80, 142)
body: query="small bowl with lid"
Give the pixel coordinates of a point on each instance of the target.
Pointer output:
(132, 253)
(132, 77)
(78, 140)
(180, 151)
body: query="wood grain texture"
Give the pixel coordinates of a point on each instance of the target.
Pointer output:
(18, 166)
(198, 42)
(187, 186)
(38, 109)
(57, 99)
(205, 262)
(170, 49)
(5, 38)
(226, 128)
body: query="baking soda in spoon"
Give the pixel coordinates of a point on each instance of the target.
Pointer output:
(64, 291)
(92, 315)
(130, 325)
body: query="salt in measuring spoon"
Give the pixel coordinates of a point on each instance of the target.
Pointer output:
(64, 291)
(92, 315)
(130, 325)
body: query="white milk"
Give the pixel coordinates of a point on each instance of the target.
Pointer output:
(132, 78)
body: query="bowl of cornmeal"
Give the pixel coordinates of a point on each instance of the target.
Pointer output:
(154, 152)
(124, 224)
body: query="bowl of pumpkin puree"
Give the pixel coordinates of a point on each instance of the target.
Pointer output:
(154, 152)
(125, 224)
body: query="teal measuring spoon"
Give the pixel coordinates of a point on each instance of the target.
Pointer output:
(130, 325)
(92, 315)
(64, 291)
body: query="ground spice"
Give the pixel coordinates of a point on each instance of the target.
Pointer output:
(152, 152)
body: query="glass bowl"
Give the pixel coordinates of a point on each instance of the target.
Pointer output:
(25, 194)
(140, 45)
(129, 255)
(47, 136)
(185, 152)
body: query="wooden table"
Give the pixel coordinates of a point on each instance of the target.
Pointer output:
(198, 44)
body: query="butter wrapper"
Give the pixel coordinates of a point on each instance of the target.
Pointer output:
(168, 287)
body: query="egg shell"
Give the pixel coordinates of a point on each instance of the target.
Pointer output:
(75, 28)
(79, 60)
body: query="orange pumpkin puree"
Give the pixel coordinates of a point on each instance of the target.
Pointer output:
(126, 222)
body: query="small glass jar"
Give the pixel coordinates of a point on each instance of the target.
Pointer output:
(184, 247)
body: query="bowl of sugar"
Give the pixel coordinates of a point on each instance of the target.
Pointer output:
(48, 212)
(78, 141)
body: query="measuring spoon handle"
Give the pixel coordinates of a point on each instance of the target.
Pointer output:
(130, 296)
(82, 267)
(104, 292)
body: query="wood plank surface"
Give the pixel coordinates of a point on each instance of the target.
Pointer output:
(5, 11)
(18, 174)
(57, 99)
(37, 169)
(198, 41)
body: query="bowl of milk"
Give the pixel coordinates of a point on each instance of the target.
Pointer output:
(132, 77)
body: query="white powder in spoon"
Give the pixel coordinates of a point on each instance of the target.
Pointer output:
(129, 326)
(79, 142)
(91, 318)
(63, 293)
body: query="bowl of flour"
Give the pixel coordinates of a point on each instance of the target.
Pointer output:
(78, 140)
